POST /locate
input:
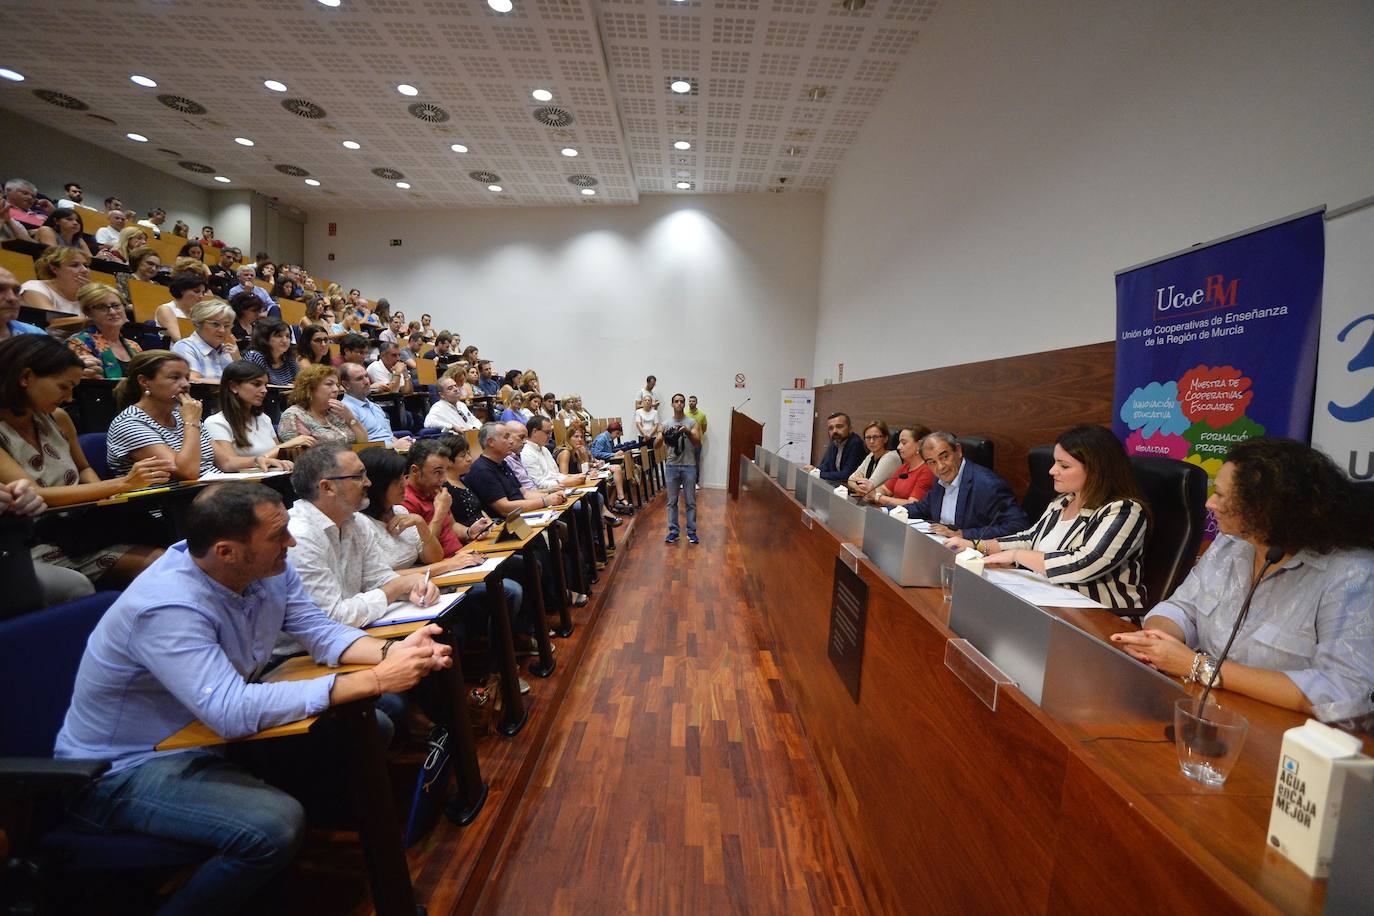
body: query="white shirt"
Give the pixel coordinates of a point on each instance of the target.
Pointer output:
(59, 304)
(399, 551)
(444, 415)
(539, 464)
(261, 438)
(149, 224)
(1054, 538)
(341, 568)
(107, 236)
(646, 420)
(950, 504)
(379, 374)
(646, 393)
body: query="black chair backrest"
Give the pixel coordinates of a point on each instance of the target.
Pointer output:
(1177, 494)
(977, 449)
(1040, 489)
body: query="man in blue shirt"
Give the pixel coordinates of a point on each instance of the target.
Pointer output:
(356, 386)
(844, 453)
(188, 640)
(604, 445)
(488, 382)
(968, 500)
(10, 325)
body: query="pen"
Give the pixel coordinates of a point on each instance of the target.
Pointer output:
(424, 593)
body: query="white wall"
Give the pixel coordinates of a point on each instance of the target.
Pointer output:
(692, 289)
(1028, 150)
(231, 213)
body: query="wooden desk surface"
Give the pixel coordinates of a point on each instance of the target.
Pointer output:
(1005, 810)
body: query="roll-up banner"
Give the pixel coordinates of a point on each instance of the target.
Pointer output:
(1343, 420)
(1218, 343)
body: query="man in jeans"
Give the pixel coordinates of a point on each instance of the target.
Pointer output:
(682, 438)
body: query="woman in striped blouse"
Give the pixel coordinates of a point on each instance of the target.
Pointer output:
(1092, 537)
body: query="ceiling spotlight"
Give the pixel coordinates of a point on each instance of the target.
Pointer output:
(569, 151)
(793, 151)
(221, 179)
(329, 2)
(853, 5)
(403, 185)
(816, 93)
(137, 138)
(143, 81)
(682, 144)
(11, 75)
(275, 85)
(458, 148)
(313, 182)
(501, 6)
(494, 188)
(589, 192)
(684, 186)
(680, 86)
(352, 144)
(243, 141)
(542, 95)
(407, 89)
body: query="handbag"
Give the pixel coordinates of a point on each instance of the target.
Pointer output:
(431, 783)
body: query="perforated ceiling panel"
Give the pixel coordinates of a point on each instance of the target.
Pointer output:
(776, 91)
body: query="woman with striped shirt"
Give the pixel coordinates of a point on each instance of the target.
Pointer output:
(160, 419)
(1092, 537)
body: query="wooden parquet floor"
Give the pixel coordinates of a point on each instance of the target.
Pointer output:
(676, 778)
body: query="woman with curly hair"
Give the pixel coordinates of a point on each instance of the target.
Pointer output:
(1308, 642)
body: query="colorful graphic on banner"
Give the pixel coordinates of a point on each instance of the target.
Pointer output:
(1343, 424)
(1219, 344)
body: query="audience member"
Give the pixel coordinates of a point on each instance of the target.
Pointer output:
(604, 445)
(247, 311)
(188, 291)
(414, 346)
(487, 380)
(159, 419)
(62, 230)
(395, 330)
(72, 195)
(224, 275)
(647, 392)
(246, 276)
(403, 537)
(156, 217)
(132, 240)
(356, 387)
(466, 508)
(181, 229)
(647, 422)
(844, 453)
(286, 288)
(103, 341)
(1306, 644)
(441, 354)
(38, 444)
(25, 207)
(145, 265)
(494, 481)
(353, 349)
(425, 495)
(426, 327)
(241, 434)
(312, 347)
(181, 632)
(468, 386)
(10, 325)
(539, 462)
(191, 249)
(315, 410)
(207, 237)
(270, 348)
(61, 272)
(909, 479)
(387, 373)
(968, 501)
(449, 413)
(577, 458)
(108, 236)
(211, 347)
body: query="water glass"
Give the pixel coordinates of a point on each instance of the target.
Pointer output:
(947, 582)
(1208, 741)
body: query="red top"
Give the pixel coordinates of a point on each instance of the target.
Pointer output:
(905, 484)
(425, 509)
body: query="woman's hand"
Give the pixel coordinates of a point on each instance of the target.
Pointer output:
(147, 472)
(863, 486)
(957, 544)
(300, 442)
(231, 346)
(264, 464)
(1158, 649)
(398, 523)
(460, 560)
(1002, 558)
(191, 409)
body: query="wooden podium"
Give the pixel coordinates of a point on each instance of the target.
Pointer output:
(746, 434)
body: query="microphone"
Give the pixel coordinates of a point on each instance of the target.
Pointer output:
(745, 401)
(1272, 556)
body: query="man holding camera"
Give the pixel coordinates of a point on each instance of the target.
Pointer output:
(681, 436)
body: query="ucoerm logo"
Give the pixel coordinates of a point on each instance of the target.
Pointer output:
(1216, 293)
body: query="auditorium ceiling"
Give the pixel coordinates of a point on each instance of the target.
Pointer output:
(776, 92)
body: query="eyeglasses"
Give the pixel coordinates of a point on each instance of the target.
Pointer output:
(108, 306)
(219, 325)
(875, 437)
(347, 477)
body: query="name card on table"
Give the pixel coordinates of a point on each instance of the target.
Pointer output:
(848, 619)
(1316, 765)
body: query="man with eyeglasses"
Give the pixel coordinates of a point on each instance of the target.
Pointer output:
(968, 500)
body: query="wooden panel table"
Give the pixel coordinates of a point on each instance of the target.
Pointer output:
(947, 805)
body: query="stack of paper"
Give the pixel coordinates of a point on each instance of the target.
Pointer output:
(539, 518)
(410, 612)
(1036, 589)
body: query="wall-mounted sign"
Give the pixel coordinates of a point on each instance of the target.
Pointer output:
(739, 379)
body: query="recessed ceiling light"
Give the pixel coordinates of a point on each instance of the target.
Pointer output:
(854, 5)
(11, 75)
(542, 95)
(221, 179)
(403, 185)
(501, 6)
(330, 2)
(407, 89)
(313, 182)
(243, 141)
(589, 192)
(684, 186)
(137, 138)
(458, 148)
(352, 144)
(494, 188)
(274, 85)
(143, 81)
(569, 151)
(682, 144)
(680, 86)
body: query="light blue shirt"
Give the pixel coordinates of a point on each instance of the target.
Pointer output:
(178, 646)
(373, 418)
(1310, 619)
(950, 503)
(268, 302)
(201, 357)
(23, 327)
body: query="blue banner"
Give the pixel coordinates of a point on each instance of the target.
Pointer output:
(1219, 344)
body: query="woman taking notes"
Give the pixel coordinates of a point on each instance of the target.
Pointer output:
(1308, 641)
(1092, 536)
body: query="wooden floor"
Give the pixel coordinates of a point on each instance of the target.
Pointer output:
(675, 778)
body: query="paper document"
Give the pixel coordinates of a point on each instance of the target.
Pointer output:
(583, 490)
(1037, 589)
(539, 518)
(409, 611)
(244, 475)
(486, 567)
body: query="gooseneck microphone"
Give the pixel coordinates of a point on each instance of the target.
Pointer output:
(1272, 556)
(745, 401)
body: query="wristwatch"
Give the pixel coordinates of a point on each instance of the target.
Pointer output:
(1206, 668)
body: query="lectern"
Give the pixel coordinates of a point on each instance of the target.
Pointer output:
(745, 434)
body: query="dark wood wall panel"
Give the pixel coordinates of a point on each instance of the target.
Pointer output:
(1016, 402)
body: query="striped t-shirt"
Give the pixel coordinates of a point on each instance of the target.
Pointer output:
(134, 429)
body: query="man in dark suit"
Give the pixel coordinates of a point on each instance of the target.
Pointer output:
(968, 500)
(843, 454)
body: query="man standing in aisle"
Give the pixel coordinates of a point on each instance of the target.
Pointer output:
(681, 436)
(697, 414)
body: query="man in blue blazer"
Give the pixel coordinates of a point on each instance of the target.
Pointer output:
(968, 500)
(844, 453)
